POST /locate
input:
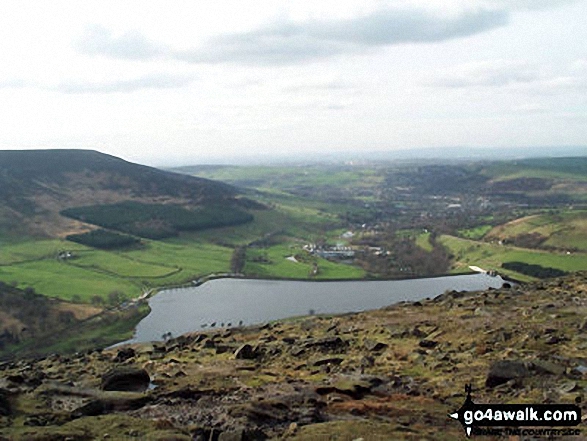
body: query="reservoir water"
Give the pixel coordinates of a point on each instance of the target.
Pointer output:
(228, 302)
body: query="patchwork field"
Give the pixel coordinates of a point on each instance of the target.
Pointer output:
(490, 256)
(89, 274)
(567, 230)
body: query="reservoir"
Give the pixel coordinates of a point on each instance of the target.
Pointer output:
(228, 302)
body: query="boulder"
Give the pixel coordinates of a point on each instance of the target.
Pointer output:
(503, 371)
(124, 354)
(245, 352)
(375, 346)
(5, 407)
(548, 367)
(428, 344)
(126, 378)
(328, 360)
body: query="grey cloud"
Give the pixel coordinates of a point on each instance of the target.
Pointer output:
(132, 45)
(126, 86)
(401, 26)
(290, 42)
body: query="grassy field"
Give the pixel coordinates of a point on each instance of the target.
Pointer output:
(121, 265)
(423, 241)
(563, 168)
(287, 177)
(61, 280)
(566, 230)
(29, 250)
(476, 233)
(490, 256)
(273, 262)
(92, 273)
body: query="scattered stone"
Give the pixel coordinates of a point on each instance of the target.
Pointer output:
(124, 354)
(199, 338)
(93, 408)
(375, 346)
(326, 343)
(367, 361)
(418, 333)
(428, 344)
(16, 378)
(296, 351)
(328, 360)
(580, 370)
(222, 349)
(567, 387)
(209, 343)
(547, 367)
(553, 340)
(5, 407)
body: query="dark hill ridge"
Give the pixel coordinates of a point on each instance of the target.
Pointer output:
(389, 374)
(38, 167)
(35, 185)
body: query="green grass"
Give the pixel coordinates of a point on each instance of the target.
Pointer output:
(170, 262)
(193, 258)
(23, 251)
(277, 264)
(285, 219)
(288, 177)
(565, 230)
(476, 233)
(97, 273)
(120, 264)
(491, 256)
(62, 280)
(556, 168)
(423, 241)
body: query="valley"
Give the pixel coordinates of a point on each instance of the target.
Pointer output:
(101, 232)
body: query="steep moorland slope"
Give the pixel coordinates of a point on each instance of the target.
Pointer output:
(394, 373)
(36, 185)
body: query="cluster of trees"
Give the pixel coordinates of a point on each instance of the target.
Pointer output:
(104, 239)
(527, 240)
(157, 221)
(406, 258)
(528, 269)
(237, 262)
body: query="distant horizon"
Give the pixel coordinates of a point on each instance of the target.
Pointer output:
(448, 154)
(444, 155)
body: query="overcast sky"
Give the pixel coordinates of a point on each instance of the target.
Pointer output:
(186, 81)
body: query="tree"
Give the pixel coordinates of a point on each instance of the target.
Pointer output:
(115, 297)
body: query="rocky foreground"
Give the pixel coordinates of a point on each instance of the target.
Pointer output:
(389, 374)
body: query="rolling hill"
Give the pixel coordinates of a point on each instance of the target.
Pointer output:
(37, 185)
